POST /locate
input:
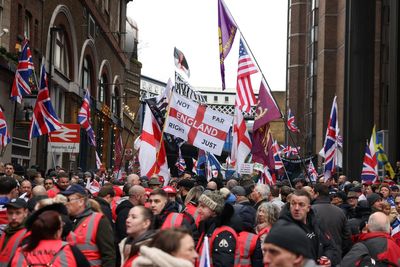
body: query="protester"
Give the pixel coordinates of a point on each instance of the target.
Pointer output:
(138, 229)
(17, 212)
(8, 190)
(287, 245)
(45, 247)
(260, 194)
(97, 244)
(169, 248)
(374, 246)
(267, 215)
(301, 214)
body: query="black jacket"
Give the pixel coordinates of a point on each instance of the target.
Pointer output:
(106, 209)
(335, 222)
(323, 244)
(122, 211)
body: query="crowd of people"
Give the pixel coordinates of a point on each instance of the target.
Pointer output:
(88, 219)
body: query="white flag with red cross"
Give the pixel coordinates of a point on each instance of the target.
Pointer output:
(197, 124)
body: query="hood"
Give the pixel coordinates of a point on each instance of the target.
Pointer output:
(366, 236)
(126, 204)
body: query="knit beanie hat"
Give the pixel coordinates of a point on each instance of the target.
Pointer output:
(214, 200)
(374, 197)
(290, 237)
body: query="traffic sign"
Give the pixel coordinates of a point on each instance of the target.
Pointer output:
(66, 139)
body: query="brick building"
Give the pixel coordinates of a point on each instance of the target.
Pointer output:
(87, 44)
(349, 49)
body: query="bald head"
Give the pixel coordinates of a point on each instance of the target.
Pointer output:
(39, 190)
(212, 185)
(133, 179)
(137, 195)
(379, 222)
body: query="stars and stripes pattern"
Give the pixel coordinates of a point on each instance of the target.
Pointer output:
(369, 171)
(4, 134)
(312, 172)
(25, 69)
(44, 119)
(277, 156)
(245, 96)
(330, 144)
(180, 163)
(290, 123)
(84, 119)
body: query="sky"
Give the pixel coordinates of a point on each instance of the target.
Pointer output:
(192, 27)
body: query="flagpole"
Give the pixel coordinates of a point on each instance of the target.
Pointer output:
(287, 175)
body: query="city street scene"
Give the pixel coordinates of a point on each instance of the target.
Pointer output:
(213, 133)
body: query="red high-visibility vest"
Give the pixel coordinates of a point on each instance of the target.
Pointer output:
(10, 248)
(247, 244)
(114, 207)
(216, 232)
(85, 236)
(173, 219)
(48, 253)
(192, 210)
(265, 232)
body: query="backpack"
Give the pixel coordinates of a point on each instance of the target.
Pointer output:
(368, 261)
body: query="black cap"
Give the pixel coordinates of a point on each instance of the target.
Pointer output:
(74, 189)
(290, 237)
(17, 203)
(186, 183)
(374, 197)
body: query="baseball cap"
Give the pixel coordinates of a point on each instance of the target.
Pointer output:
(17, 203)
(74, 189)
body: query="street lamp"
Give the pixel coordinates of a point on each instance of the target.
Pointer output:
(3, 31)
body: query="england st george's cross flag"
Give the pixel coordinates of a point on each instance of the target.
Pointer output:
(197, 124)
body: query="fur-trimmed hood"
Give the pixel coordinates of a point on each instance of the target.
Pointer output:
(154, 257)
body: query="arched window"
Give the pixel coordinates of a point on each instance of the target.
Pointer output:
(61, 59)
(103, 89)
(86, 73)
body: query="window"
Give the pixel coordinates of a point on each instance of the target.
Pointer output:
(61, 53)
(226, 99)
(27, 26)
(86, 71)
(103, 86)
(215, 98)
(115, 102)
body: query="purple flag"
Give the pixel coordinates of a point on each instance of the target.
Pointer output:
(262, 147)
(267, 109)
(226, 34)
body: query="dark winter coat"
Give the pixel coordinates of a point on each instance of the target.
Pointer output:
(323, 243)
(122, 212)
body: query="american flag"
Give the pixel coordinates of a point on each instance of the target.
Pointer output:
(44, 119)
(180, 163)
(4, 134)
(330, 144)
(369, 171)
(289, 150)
(312, 172)
(245, 97)
(21, 85)
(290, 123)
(84, 119)
(277, 156)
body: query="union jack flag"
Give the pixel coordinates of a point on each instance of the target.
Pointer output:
(21, 85)
(84, 119)
(180, 163)
(312, 172)
(330, 144)
(194, 169)
(277, 156)
(290, 123)
(289, 150)
(4, 134)
(98, 161)
(245, 96)
(369, 171)
(44, 119)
